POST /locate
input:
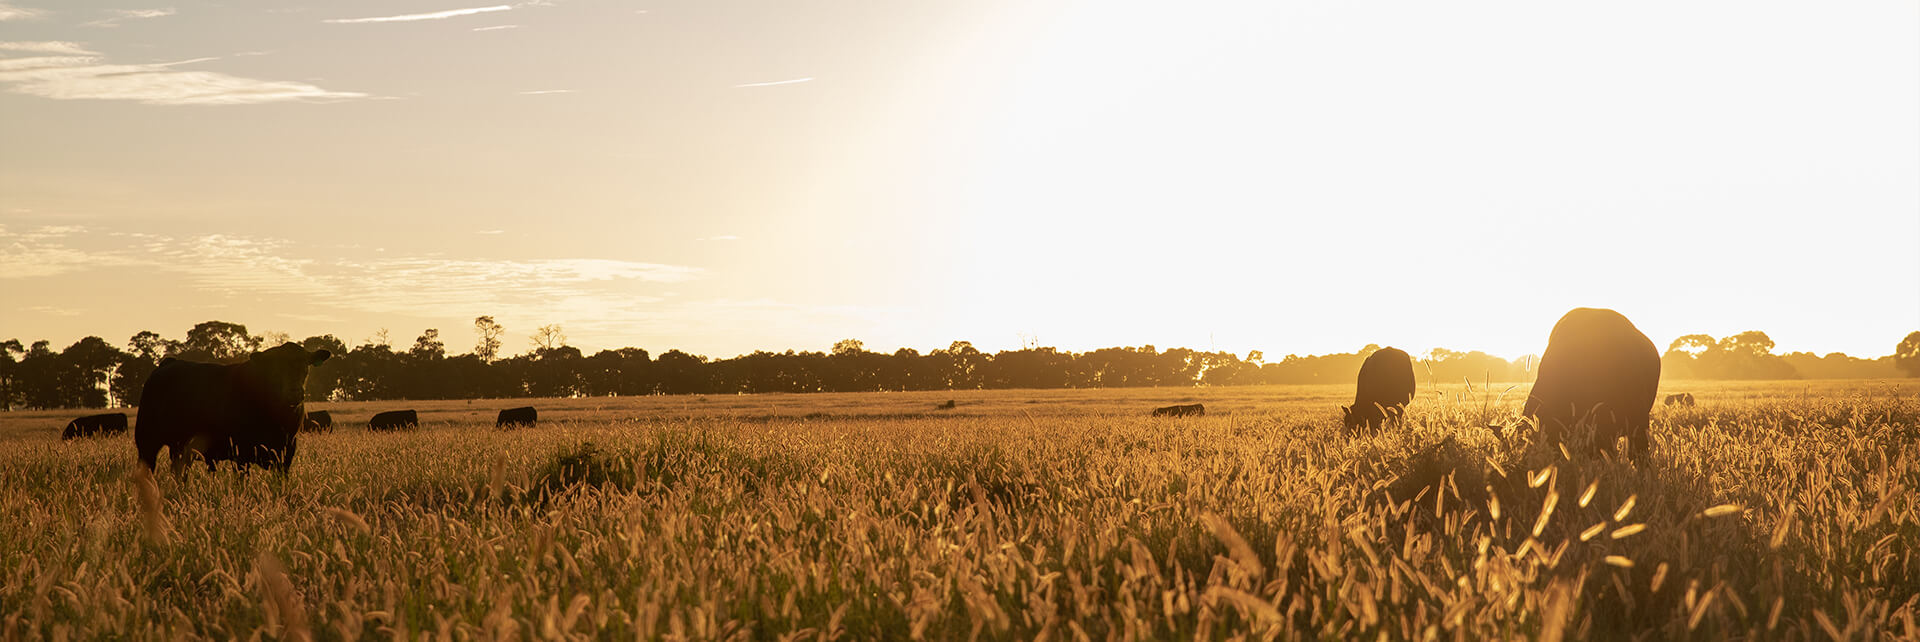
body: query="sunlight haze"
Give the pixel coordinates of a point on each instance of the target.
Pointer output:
(721, 177)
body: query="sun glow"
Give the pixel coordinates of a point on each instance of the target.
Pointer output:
(1309, 177)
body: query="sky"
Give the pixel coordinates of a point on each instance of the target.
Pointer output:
(721, 176)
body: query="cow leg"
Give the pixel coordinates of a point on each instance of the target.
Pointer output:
(1637, 437)
(149, 455)
(180, 456)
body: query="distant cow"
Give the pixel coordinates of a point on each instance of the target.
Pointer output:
(1682, 399)
(318, 421)
(1189, 410)
(1597, 369)
(522, 416)
(1383, 391)
(248, 412)
(394, 420)
(949, 405)
(106, 425)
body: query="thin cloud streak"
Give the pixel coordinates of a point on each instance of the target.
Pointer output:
(123, 15)
(436, 15)
(87, 76)
(47, 47)
(11, 12)
(774, 83)
(539, 92)
(496, 27)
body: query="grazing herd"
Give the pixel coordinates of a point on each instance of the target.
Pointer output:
(1598, 370)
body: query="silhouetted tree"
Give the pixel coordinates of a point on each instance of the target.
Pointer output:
(428, 346)
(681, 373)
(1027, 368)
(548, 337)
(488, 347)
(86, 369)
(961, 363)
(10, 385)
(39, 374)
(219, 342)
(1907, 354)
(622, 372)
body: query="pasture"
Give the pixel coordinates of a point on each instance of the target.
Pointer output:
(1772, 510)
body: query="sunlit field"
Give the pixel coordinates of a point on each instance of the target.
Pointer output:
(1772, 510)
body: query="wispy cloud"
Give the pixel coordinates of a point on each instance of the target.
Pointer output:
(406, 285)
(46, 47)
(67, 71)
(123, 15)
(537, 92)
(436, 15)
(722, 237)
(496, 27)
(491, 232)
(45, 251)
(794, 81)
(10, 12)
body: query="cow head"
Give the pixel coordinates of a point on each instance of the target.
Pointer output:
(281, 373)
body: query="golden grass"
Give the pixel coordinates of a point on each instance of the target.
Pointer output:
(1784, 516)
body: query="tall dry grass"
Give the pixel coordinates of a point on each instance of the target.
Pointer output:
(1792, 518)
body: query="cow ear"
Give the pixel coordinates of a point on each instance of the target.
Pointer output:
(319, 357)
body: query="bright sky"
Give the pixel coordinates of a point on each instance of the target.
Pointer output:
(723, 176)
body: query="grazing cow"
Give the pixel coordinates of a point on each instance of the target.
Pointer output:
(522, 416)
(1383, 391)
(247, 413)
(394, 420)
(106, 425)
(949, 405)
(1189, 410)
(318, 421)
(1601, 370)
(1681, 399)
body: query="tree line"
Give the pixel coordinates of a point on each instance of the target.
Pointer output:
(93, 373)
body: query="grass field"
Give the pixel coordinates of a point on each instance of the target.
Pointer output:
(1773, 510)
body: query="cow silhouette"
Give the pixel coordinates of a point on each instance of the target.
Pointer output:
(1383, 391)
(1598, 369)
(1681, 399)
(1189, 410)
(105, 425)
(318, 421)
(394, 420)
(522, 416)
(247, 413)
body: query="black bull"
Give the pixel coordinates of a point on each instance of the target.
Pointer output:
(394, 420)
(248, 413)
(112, 423)
(522, 416)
